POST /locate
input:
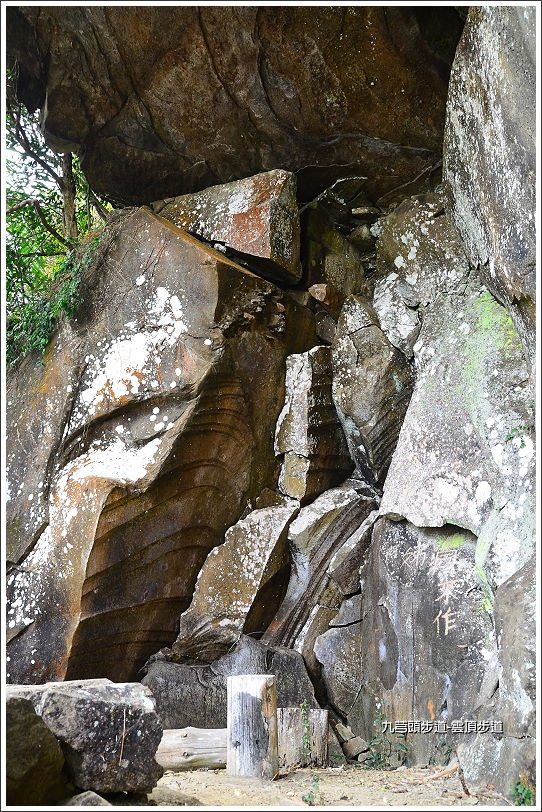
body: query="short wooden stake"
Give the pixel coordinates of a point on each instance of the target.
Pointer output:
(303, 737)
(252, 743)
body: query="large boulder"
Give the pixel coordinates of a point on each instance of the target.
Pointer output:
(490, 155)
(417, 644)
(465, 453)
(34, 762)
(161, 101)
(109, 733)
(234, 582)
(196, 695)
(144, 437)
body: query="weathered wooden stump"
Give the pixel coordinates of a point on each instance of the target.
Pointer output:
(252, 741)
(302, 737)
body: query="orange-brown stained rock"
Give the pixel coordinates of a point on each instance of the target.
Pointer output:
(176, 382)
(256, 216)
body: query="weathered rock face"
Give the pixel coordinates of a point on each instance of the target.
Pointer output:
(108, 732)
(490, 155)
(419, 258)
(328, 540)
(512, 755)
(197, 693)
(163, 101)
(308, 436)
(35, 766)
(333, 482)
(174, 376)
(465, 453)
(234, 579)
(417, 640)
(256, 216)
(372, 384)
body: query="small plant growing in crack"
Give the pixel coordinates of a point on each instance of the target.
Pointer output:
(311, 796)
(381, 746)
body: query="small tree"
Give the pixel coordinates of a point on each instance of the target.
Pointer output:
(49, 209)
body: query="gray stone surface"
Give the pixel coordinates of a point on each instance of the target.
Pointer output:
(327, 541)
(34, 763)
(195, 695)
(109, 732)
(511, 756)
(465, 454)
(490, 155)
(420, 259)
(309, 435)
(372, 384)
(423, 644)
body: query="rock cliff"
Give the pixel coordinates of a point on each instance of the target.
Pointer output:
(291, 426)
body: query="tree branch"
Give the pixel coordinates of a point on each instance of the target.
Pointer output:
(22, 140)
(97, 205)
(31, 201)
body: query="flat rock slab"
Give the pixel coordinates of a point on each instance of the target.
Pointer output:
(109, 732)
(230, 583)
(256, 216)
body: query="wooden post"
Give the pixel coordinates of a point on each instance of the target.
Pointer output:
(252, 744)
(302, 737)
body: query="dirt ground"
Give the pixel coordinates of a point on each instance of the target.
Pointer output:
(327, 787)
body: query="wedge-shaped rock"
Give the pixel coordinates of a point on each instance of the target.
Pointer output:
(145, 435)
(372, 385)
(308, 431)
(233, 582)
(465, 455)
(109, 732)
(196, 695)
(256, 216)
(328, 540)
(490, 155)
(33, 759)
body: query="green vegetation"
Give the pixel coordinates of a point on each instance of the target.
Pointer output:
(381, 746)
(519, 431)
(310, 796)
(450, 542)
(31, 322)
(523, 792)
(50, 211)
